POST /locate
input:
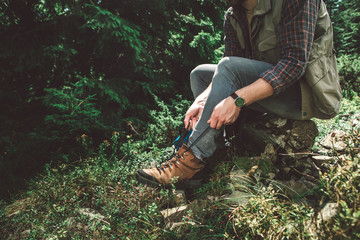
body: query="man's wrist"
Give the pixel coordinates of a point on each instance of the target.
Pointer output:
(201, 100)
(239, 101)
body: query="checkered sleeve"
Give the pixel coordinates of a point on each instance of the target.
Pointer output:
(296, 37)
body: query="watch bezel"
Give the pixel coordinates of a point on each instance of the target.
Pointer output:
(239, 101)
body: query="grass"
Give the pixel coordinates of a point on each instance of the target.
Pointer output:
(99, 198)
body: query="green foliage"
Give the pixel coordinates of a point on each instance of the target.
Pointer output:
(345, 17)
(205, 41)
(267, 216)
(100, 194)
(81, 75)
(109, 57)
(343, 121)
(97, 193)
(166, 122)
(342, 185)
(349, 72)
(72, 110)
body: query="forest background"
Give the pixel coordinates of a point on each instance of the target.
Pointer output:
(88, 88)
(86, 69)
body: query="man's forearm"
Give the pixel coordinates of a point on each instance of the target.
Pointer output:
(258, 90)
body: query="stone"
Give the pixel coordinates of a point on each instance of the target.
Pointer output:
(237, 197)
(180, 227)
(174, 214)
(328, 212)
(285, 135)
(91, 213)
(296, 188)
(271, 175)
(335, 140)
(323, 158)
(178, 199)
(287, 170)
(269, 149)
(239, 179)
(279, 122)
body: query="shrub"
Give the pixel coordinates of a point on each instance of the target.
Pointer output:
(349, 72)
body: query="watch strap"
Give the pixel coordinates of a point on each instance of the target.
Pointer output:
(234, 95)
(239, 101)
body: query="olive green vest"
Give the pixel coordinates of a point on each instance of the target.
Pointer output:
(320, 88)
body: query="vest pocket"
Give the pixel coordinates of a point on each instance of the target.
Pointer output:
(267, 50)
(268, 43)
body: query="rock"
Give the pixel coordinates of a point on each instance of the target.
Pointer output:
(174, 214)
(181, 227)
(239, 185)
(329, 211)
(279, 122)
(286, 135)
(335, 140)
(25, 234)
(322, 163)
(237, 198)
(302, 136)
(287, 170)
(93, 215)
(270, 152)
(323, 158)
(90, 213)
(269, 149)
(295, 189)
(271, 175)
(178, 199)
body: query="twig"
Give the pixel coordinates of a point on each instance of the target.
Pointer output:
(133, 129)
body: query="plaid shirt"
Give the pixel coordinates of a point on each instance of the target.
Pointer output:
(297, 32)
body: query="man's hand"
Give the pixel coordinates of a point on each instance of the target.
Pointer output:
(193, 114)
(225, 113)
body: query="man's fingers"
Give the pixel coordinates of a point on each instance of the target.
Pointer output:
(192, 124)
(213, 120)
(219, 124)
(186, 121)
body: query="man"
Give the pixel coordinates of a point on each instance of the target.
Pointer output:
(278, 59)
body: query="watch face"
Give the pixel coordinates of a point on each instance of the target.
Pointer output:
(239, 102)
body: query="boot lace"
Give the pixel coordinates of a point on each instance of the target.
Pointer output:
(174, 161)
(175, 157)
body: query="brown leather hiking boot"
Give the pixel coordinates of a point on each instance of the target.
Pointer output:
(184, 165)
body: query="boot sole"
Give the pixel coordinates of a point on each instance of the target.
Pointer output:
(152, 182)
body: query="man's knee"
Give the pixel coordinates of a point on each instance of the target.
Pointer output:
(224, 64)
(224, 72)
(195, 74)
(200, 77)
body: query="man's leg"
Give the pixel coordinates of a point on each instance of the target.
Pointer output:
(201, 77)
(231, 74)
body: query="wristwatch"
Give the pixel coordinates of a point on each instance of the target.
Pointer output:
(239, 101)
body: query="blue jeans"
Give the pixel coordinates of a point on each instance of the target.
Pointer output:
(231, 74)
